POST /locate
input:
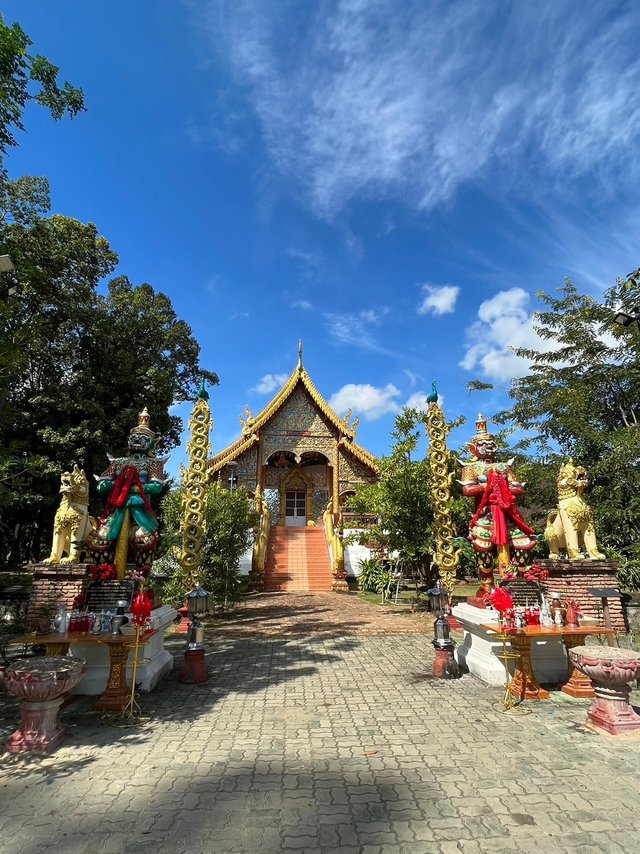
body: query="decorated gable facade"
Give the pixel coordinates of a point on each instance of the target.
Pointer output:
(297, 454)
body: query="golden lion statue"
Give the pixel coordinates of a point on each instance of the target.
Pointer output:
(570, 526)
(72, 522)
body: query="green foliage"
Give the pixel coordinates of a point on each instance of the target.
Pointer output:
(76, 367)
(229, 518)
(375, 577)
(25, 78)
(369, 570)
(478, 385)
(629, 570)
(580, 399)
(401, 500)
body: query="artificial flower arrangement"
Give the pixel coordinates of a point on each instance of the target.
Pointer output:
(532, 573)
(501, 600)
(103, 572)
(140, 609)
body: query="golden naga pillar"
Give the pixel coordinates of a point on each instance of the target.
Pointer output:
(194, 479)
(446, 555)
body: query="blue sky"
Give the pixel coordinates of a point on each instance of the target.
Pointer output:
(390, 181)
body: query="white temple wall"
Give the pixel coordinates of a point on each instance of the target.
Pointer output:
(353, 554)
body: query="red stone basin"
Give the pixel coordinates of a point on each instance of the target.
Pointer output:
(39, 683)
(610, 669)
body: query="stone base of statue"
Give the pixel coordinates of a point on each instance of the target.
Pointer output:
(575, 579)
(53, 583)
(154, 661)
(480, 651)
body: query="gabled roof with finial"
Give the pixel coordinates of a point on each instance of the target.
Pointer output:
(252, 424)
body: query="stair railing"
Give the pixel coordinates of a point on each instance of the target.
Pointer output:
(261, 538)
(333, 531)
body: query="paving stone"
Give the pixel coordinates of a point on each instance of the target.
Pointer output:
(319, 732)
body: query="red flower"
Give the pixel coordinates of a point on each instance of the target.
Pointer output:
(140, 609)
(103, 572)
(500, 599)
(78, 602)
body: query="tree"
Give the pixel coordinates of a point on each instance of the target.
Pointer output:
(76, 368)
(25, 78)
(229, 519)
(401, 499)
(579, 399)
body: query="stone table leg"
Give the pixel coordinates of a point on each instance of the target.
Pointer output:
(116, 696)
(578, 684)
(524, 685)
(39, 730)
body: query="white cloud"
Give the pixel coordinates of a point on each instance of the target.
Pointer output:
(412, 376)
(418, 400)
(438, 299)
(304, 304)
(363, 100)
(357, 328)
(309, 259)
(366, 400)
(504, 321)
(269, 383)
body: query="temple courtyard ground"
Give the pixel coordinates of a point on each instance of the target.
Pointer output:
(321, 730)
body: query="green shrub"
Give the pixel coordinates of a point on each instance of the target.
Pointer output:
(370, 569)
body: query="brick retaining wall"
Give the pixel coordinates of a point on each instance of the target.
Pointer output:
(573, 579)
(56, 583)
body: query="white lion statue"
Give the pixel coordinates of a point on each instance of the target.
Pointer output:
(72, 522)
(570, 525)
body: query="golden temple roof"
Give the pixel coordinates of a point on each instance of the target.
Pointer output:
(252, 424)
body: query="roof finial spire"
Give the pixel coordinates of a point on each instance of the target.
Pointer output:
(300, 353)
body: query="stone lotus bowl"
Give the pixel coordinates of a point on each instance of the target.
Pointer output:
(607, 665)
(35, 680)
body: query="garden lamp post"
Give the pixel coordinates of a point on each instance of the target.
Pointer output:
(6, 266)
(445, 665)
(625, 319)
(195, 669)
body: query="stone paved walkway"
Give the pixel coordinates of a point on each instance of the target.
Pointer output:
(321, 740)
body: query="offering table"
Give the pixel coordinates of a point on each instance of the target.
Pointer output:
(116, 695)
(524, 685)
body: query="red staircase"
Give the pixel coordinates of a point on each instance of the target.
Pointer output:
(297, 559)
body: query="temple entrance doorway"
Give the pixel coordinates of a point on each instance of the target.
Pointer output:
(295, 513)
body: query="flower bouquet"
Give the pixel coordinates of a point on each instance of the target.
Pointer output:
(103, 572)
(501, 600)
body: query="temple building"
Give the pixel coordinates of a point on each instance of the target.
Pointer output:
(300, 461)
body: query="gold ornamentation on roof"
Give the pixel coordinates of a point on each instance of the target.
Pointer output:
(252, 424)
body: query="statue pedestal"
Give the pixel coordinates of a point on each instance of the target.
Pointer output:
(154, 661)
(573, 579)
(480, 650)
